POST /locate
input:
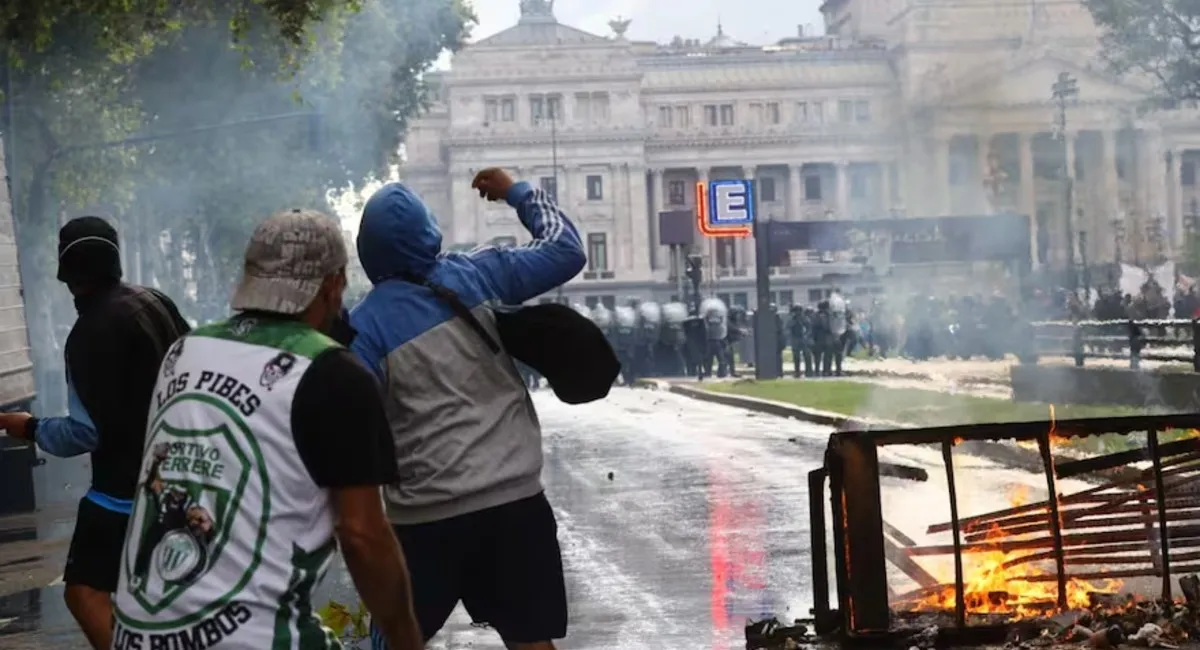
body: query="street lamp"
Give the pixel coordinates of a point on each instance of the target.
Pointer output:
(1064, 90)
(1087, 272)
(552, 104)
(1118, 231)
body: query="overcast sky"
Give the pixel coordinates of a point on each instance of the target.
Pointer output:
(754, 21)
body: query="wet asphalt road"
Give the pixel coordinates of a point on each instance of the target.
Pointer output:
(678, 520)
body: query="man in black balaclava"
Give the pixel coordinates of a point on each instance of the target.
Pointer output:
(113, 355)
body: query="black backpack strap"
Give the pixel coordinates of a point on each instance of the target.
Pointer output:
(456, 305)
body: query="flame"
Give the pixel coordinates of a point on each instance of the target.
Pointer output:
(995, 583)
(1018, 495)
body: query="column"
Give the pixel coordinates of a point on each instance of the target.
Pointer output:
(1028, 200)
(795, 193)
(885, 187)
(1159, 205)
(567, 198)
(1112, 191)
(463, 210)
(658, 254)
(1150, 181)
(1175, 199)
(1072, 218)
(621, 249)
(698, 239)
(642, 245)
(843, 189)
(941, 183)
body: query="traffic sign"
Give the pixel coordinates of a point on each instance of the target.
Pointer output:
(725, 208)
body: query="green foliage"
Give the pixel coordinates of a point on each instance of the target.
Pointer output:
(1159, 38)
(82, 73)
(123, 30)
(361, 77)
(348, 625)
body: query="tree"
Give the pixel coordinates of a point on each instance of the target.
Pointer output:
(80, 73)
(125, 29)
(350, 97)
(1158, 38)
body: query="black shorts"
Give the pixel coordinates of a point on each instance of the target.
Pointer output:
(503, 563)
(94, 559)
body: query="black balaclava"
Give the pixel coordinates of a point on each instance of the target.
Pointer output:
(88, 252)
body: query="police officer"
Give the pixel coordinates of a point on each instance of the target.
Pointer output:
(672, 339)
(625, 324)
(649, 324)
(716, 326)
(800, 336)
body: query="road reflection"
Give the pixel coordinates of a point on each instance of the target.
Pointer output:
(737, 556)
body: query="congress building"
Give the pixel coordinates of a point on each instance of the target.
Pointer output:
(905, 108)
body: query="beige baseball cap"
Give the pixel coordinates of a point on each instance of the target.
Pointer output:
(288, 257)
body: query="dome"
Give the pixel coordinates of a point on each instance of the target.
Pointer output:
(723, 41)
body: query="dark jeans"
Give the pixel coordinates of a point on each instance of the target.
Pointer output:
(802, 353)
(503, 563)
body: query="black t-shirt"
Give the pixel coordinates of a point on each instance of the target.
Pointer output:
(339, 423)
(112, 357)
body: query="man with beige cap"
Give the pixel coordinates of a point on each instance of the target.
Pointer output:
(267, 445)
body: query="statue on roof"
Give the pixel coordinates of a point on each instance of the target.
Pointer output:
(619, 26)
(537, 8)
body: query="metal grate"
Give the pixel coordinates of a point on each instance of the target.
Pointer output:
(1136, 520)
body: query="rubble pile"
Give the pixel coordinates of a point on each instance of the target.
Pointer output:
(1109, 622)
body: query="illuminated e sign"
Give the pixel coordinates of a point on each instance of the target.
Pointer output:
(725, 208)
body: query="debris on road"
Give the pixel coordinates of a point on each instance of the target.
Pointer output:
(770, 634)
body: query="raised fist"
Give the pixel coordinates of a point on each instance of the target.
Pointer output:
(493, 184)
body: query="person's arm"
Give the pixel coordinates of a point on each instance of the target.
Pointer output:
(343, 437)
(67, 436)
(555, 255)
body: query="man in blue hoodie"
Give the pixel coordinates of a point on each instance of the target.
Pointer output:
(469, 507)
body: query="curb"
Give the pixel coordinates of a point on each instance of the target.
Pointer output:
(1001, 454)
(771, 407)
(875, 373)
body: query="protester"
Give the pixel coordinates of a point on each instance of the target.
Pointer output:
(468, 507)
(267, 448)
(112, 357)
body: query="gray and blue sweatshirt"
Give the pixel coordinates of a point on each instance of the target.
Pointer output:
(467, 436)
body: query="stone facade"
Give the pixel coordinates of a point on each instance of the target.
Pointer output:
(902, 109)
(16, 366)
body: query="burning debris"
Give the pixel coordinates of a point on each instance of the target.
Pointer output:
(1108, 621)
(1034, 574)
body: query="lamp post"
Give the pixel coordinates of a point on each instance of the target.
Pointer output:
(1191, 228)
(1064, 90)
(552, 106)
(1083, 260)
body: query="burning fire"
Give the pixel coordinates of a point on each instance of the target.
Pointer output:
(997, 582)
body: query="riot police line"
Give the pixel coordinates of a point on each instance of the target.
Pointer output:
(662, 340)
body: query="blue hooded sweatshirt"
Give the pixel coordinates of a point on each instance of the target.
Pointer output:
(467, 437)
